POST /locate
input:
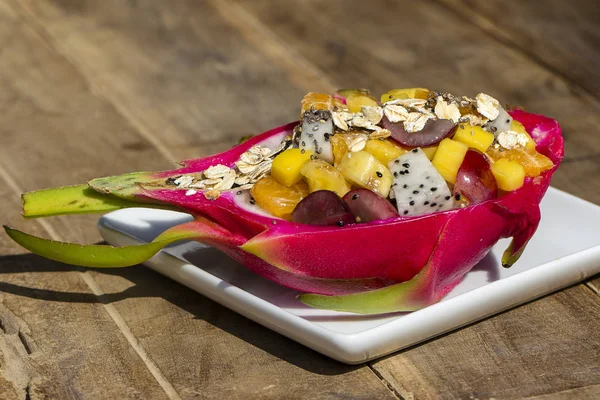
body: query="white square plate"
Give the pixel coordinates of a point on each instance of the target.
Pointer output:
(565, 250)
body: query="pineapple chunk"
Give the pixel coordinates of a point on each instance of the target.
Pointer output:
(429, 151)
(320, 175)
(474, 136)
(448, 157)
(286, 166)
(340, 148)
(355, 101)
(509, 175)
(364, 170)
(410, 93)
(347, 92)
(518, 127)
(384, 150)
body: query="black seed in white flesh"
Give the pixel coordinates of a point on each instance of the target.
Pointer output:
(317, 129)
(417, 192)
(502, 123)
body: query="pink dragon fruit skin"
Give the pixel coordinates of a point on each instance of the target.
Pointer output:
(399, 264)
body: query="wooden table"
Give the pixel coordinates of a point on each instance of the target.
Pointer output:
(93, 88)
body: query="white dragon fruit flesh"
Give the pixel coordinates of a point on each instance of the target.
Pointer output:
(418, 187)
(317, 129)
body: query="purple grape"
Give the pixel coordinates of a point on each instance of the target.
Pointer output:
(369, 206)
(322, 207)
(475, 182)
(433, 132)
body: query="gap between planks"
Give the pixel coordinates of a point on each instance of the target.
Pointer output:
(387, 384)
(109, 308)
(592, 286)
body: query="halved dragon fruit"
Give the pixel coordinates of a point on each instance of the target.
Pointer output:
(397, 264)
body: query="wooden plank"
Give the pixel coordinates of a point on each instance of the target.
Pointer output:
(208, 350)
(514, 355)
(451, 54)
(563, 35)
(201, 348)
(584, 393)
(190, 82)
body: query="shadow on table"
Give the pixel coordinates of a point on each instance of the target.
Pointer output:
(148, 283)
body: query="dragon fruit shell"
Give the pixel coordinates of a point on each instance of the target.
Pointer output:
(376, 258)
(419, 258)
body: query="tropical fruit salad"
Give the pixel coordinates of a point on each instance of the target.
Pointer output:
(366, 205)
(354, 159)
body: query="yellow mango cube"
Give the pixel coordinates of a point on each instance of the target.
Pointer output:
(364, 170)
(320, 175)
(429, 151)
(287, 165)
(384, 150)
(448, 157)
(518, 127)
(277, 199)
(355, 101)
(409, 93)
(474, 136)
(509, 175)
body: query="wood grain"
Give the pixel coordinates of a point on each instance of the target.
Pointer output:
(562, 35)
(190, 81)
(202, 349)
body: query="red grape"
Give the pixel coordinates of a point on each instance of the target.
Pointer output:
(433, 132)
(475, 181)
(368, 206)
(322, 207)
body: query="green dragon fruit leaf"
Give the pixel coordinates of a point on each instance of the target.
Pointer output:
(394, 298)
(106, 256)
(80, 199)
(510, 256)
